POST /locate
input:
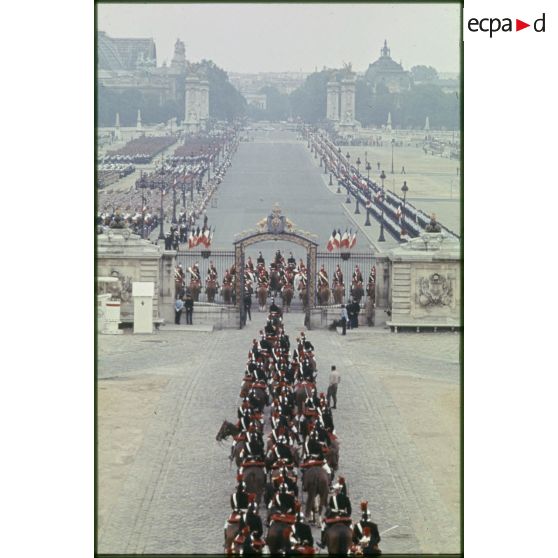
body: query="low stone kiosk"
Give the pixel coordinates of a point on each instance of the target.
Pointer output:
(425, 283)
(126, 258)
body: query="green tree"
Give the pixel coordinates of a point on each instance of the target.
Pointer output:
(424, 73)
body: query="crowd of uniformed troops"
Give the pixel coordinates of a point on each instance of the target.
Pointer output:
(284, 429)
(139, 208)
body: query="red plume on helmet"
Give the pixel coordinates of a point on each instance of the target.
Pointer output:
(252, 497)
(364, 505)
(239, 477)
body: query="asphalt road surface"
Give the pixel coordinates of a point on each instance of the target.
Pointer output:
(275, 168)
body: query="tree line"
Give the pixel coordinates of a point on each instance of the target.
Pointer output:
(408, 109)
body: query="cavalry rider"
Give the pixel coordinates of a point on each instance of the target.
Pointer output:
(263, 277)
(301, 534)
(283, 501)
(339, 506)
(250, 518)
(179, 277)
(239, 498)
(291, 262)
(313, 449)
(366, 533)
(372, 276)
(308, 372)
(327, 415)
(251, 544)
(323, 279)
(338, 276)
(287, 477)
(280, 452)
(273, 308)
(279, 260)
(195, 272)
(260, 261)
(306, 344)
(250, 264)
(211, 273)
(357, 275)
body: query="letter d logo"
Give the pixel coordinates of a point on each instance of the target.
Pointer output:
(538, 26)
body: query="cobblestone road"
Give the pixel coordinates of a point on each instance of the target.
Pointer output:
(164, 482)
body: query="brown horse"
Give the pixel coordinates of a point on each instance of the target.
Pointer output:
(338, 294)
(323, 295)
(371, 291)
(254, 477)
(338, 539)
(287, 296)
(226, 291)
(195, 289)
(275, 282)
(211, 289)
(227, 429)
(302, 391)
(357, 292)
(262, 297)
(278, 538)
(315, 483)
(231, 530)
(302, 296)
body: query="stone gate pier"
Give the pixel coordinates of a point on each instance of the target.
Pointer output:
(425, 283)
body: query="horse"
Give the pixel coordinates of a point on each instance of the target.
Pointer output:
(231, 530)
(254, 477)
(302, 294)
(226, 291)
(357, 292)
(323, 295)
(211, 289)
(338, 294)
(275, 282)
(371, 290)
(227, 429)
(287, 296)
(302, 391)
(195, 289)
(338, 539)
(278, 537)
(315, 483)
(262, 297)
(370, 312)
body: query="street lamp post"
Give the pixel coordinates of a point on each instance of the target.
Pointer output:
(392, 144)
(381, 238)
(174, 204)
(358, 164)
(404, 189)
(357, 208)
(338, 186)
(368, 169)
(161, 216)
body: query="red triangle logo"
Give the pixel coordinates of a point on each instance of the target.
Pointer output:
(519, 25)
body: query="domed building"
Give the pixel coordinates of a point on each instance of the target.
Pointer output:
(388, 72)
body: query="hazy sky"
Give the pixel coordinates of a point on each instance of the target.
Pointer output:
(293, 37)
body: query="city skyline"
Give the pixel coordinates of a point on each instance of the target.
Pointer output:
(293, 37)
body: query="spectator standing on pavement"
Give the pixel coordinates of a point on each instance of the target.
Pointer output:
(189, 305)
(344, 319)
(334, 379)
(178, 306)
